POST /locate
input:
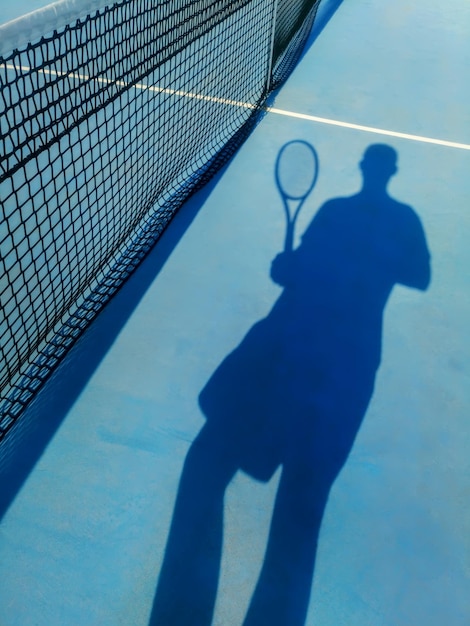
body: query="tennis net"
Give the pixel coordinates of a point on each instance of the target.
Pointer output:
(107, 124)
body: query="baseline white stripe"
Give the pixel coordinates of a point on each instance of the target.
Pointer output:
(370, 129)
(246, 105)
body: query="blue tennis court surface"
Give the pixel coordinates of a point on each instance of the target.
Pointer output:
(83, 538)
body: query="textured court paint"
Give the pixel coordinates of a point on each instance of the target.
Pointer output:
(396, 66)
(84, 539)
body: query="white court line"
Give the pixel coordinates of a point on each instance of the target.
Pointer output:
(370, 129)
(141, 86)
(246, 105)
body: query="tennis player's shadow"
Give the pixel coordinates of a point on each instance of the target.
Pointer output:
(293, 393)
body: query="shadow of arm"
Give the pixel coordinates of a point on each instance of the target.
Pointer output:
(416, 270)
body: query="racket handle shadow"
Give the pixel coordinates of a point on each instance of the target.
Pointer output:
(289, 238)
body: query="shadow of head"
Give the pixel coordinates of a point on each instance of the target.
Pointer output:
(378, 165)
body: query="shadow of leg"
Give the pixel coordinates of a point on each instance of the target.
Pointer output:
(188, 581)
(282, 594)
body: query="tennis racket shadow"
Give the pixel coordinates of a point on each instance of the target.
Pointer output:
(296, 174)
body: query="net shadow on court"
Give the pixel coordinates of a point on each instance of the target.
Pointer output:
(325, 13)
(25, 444)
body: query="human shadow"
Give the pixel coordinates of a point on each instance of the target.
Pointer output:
(293, 394)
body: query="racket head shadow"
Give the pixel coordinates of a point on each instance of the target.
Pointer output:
(296, 169)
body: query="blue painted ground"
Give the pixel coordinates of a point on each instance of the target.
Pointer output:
(84, 539)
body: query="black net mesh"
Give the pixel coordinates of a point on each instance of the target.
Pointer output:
(294, 20)
(106, 127)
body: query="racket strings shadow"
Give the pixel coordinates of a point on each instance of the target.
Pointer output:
(293, 393)
(296, 174)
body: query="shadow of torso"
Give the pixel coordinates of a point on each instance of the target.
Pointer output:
(298, 385)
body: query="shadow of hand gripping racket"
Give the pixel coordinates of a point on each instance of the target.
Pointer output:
(293, 393)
